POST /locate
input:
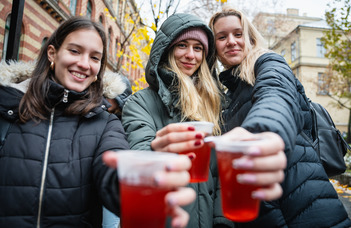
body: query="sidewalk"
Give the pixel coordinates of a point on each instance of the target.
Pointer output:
(342, 185)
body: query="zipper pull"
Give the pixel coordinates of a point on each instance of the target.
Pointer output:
(65, 96)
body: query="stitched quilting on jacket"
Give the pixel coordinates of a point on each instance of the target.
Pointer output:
(151, 109)
(52, 173)
(275, 104)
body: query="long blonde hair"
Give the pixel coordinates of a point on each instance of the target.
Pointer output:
(199, 95)
(254, 43)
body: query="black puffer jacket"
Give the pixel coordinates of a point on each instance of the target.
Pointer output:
(51, 173)
(277, 103)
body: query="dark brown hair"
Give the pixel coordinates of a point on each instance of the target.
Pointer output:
(33, 105)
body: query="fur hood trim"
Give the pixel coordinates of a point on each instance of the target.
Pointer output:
(15, 74)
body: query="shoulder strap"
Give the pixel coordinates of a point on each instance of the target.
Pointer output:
(4, 127)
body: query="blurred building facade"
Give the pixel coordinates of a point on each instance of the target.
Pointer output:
(42, 17)
(298, 39)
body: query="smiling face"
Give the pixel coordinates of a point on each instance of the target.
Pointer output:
(78, 60)
(229, 40)
(188, 55)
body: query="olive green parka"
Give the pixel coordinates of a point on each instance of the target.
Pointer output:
(151, 109)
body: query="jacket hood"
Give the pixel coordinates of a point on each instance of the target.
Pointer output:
(169, 31)
(15, 74)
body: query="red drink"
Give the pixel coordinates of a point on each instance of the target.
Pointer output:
(237, 203)
(143, 206)
(200, 165)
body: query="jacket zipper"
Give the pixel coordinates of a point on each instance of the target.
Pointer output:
(43, 176)
(65, 96)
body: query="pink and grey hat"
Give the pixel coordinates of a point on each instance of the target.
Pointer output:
(195, 34)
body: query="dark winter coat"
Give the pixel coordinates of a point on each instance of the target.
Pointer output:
(151, 109)
(277, 103)
(51, 173)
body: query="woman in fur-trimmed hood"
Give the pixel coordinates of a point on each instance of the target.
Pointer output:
(51, 169)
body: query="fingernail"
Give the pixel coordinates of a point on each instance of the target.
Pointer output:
(258, 195)
(171, 201)
(246, 178)
(243, 164)
(176, 224)
(197, 143)
(158, 179)
(253, 151)
(191, 156)
(198, 136)
(191, 128)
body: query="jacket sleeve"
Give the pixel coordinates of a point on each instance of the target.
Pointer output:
(139, 122)
(275, 103)
(105, 178)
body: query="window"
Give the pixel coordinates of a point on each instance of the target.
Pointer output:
(89, 9)
(271, 27)
(283, 52)
(320, 48)
(44, 41)
(293, 51)
(6, 37)
(73, 6)
(323, 87)
(109, 41)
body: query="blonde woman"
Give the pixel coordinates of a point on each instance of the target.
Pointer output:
(181, 88)
(265, 95)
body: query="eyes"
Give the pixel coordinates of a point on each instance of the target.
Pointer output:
(184, 45)
(94, 57)
(225, 36)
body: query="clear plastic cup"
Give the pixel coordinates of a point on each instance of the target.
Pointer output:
(142, 203)
(237, 202)
(201, 164)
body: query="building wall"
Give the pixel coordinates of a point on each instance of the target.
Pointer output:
(306, 67)
(275, 26)
(39, 22)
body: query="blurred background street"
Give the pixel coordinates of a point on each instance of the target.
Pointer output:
(342, 187)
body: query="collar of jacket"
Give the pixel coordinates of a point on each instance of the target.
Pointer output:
(229, 80)
(57, 92)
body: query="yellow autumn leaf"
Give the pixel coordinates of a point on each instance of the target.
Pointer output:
(153, 27)
(339, 191)
(142, 79)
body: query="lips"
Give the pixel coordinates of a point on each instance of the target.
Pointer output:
(233, 51)
(78, 75)
(188, 65)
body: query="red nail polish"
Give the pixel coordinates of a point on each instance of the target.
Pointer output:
(191, 156)
(191, 128)
(198, 136)
(197, 143)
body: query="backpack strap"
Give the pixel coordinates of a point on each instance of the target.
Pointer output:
(4, 127)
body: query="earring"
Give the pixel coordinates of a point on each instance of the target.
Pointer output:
(52, 65)
(95, 79)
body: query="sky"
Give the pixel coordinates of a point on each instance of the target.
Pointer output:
(313, 8)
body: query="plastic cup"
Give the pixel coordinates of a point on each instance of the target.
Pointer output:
(201, 164)
(142, 203)
(237, 202)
